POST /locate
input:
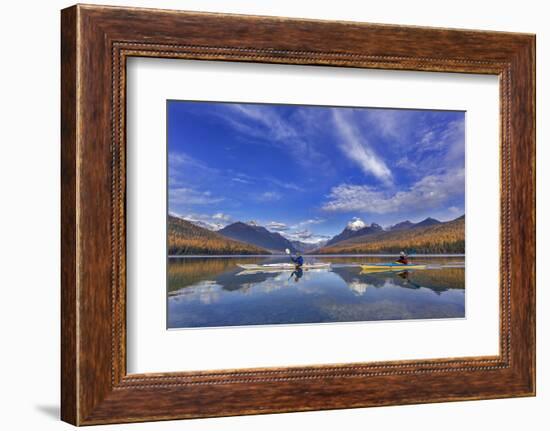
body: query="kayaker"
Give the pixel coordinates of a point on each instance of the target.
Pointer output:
(298, 260)
(403, 258)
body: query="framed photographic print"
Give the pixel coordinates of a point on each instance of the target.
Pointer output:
(321, 214)
(303, 178)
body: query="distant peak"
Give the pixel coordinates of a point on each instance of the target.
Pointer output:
(355, 224)
(429, 221)
(252, 223)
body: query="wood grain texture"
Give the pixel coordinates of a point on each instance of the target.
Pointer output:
(69, 397)
(96, 41)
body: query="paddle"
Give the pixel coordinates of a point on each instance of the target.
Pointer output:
(287, 251)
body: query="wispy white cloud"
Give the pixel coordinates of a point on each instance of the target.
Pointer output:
(417, 141)
(437, 146)
(279, 128)
(297, 232)
(305, 235)
(185, 171)
(222, 217)
(388, 122)
(189, 196)
(357, 148)
(269, 196)
(283, 184)
(455, 211)
(276, 226)
(448, 138)
(454, 139)
(208, 221)
(428, 140)
(429, 192)
(267, 126)
(241, 180)
(302, 235)
(308, 222)
(180, 160)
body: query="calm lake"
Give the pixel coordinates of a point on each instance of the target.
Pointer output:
(214, 291)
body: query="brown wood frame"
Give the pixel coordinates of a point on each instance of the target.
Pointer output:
(95, 42)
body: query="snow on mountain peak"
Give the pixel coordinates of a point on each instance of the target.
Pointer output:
(204, 224)
(355, 224)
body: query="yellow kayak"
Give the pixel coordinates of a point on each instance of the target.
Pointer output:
(383, 267)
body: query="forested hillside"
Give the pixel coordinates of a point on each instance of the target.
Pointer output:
(445, 237)
(186, 238)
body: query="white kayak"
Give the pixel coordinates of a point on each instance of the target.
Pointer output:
(281, 266)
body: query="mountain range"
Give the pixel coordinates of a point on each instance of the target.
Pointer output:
(259, 236)
(409, 225)
(185, 237)
(353, 229)
(427, 236)
(357, 228)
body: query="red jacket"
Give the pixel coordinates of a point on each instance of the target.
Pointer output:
(403, 260)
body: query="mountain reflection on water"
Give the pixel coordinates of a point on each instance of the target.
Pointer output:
(211, 292)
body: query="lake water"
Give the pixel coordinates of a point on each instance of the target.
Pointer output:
(214, 291)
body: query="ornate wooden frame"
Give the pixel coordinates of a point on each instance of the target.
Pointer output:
(96, 41)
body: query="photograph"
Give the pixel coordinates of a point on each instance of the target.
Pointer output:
(297, 214)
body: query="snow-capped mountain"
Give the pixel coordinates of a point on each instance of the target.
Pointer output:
(355, 227)
(355, 224)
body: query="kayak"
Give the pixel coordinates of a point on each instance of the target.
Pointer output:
(281, 266)
(374, 267)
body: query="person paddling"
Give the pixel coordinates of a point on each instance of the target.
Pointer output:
(403, 258)
(297, 259)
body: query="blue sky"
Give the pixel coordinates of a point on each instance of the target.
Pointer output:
(306, 171)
